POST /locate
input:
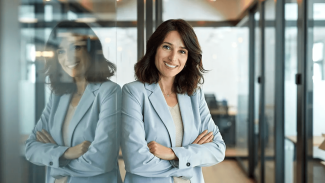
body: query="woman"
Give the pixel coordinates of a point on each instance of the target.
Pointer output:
(76, 136)
(167, 130)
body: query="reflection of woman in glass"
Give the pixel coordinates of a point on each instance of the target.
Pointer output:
(167, 130)
(76, 136)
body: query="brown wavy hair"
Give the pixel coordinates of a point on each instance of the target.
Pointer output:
(100, 69)
(188, 80)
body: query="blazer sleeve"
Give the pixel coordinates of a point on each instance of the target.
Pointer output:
(102, 154)
(207, 154)
(137, 157)
(44, 154)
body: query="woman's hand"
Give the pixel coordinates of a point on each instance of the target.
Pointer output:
(76, 151)
(44, 137)
(204, 138)
(161, 151)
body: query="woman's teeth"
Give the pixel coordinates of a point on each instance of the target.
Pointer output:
(72, 65)
(171, 66)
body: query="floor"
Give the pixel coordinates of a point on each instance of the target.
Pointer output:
(227, 171)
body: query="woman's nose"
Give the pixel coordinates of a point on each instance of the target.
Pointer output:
(173, 56)
(70, 55)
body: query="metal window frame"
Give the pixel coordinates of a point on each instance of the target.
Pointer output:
(140, 28)
(304, 83)
(251, 95)
(279, 103)
(149, 18)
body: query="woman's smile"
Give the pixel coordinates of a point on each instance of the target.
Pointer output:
(170, 65)
(72, 65)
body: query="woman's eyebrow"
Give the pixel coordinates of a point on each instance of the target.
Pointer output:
(169, 43)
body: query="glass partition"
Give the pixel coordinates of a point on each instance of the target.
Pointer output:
(290, 95)
(70, 33)
(316, 60)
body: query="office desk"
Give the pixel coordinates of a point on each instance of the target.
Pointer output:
(317, 140)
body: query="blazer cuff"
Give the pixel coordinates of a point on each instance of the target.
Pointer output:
(183, 156)
(56, 173)
(55, 159)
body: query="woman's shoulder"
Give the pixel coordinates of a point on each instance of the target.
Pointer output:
(197, 94)
(108, 87)
(135, 86)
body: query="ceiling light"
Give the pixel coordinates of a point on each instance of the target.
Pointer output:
(86, 20)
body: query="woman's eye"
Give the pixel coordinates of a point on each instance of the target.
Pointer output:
(182, 52)
(61, 52)
(166, 47)
(77, 47)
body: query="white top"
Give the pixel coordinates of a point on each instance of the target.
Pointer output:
(177, 118)
(65, 130)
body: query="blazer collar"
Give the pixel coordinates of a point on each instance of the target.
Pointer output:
(160, 105)
(83, 106)
(152, 87)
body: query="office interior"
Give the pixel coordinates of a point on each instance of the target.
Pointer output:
(265, 86)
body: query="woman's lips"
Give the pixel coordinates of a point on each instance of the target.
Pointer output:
(73, 65)
(170, 66)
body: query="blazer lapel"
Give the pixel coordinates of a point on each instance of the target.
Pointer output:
(159, 103)
(83, 106)
(60, 117)
(185, 105)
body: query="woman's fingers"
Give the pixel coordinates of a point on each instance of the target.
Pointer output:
(205, 138)
(48, 136)
(38, 138)
(200, 137)
(210, 139)
(42, 137)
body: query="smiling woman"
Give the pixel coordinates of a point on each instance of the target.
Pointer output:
(76, 136)
(72, 43)
(167, 130)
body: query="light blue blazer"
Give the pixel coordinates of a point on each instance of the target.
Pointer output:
(146, 118)
(96, 120)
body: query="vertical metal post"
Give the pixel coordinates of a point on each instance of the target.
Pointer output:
(140, 28)
(301, 93)
(159, 12)
(262, 94)
(304, 93)
(10, 157)
(251, 96)
(279, 91)
(149, 18)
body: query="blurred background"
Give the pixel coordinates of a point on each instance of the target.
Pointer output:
(265, 87)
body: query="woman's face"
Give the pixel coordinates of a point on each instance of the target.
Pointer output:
(171, 55)
(73, 56)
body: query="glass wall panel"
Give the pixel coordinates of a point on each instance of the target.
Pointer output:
(316, 60)
(242, 114)
(269, 81)
(67, 47)
(290, 95)
(222, 92)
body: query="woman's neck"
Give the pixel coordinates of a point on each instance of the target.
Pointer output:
(81, 84)
(167, 84)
